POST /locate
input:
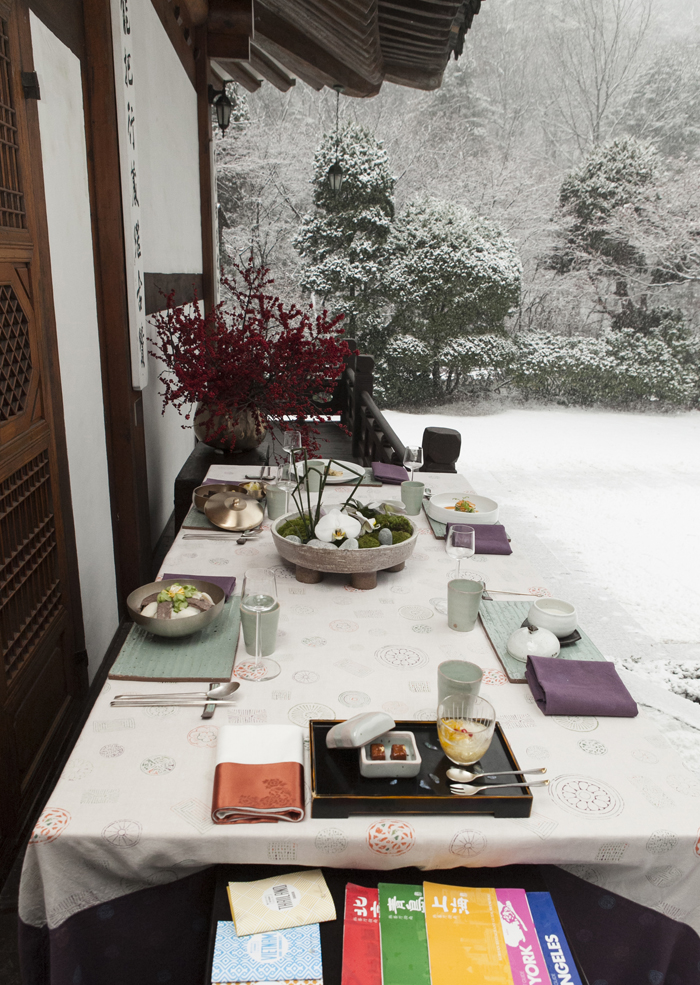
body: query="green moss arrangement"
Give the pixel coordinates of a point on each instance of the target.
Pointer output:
(398, 536)
(368, 540)
(394, 522)
(295, 526)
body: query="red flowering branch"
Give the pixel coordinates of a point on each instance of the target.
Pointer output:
(251, 353)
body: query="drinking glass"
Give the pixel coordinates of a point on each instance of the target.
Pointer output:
(291, 442)
(465, 724)
(412, 458)
(459, 543)
(259, 595)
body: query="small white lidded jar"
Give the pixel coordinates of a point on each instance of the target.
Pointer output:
(557, 616)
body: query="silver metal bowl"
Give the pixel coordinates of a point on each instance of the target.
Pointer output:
(175, 627)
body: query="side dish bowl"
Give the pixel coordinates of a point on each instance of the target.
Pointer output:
(441, 508)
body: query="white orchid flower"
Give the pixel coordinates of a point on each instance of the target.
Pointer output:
(336, 526)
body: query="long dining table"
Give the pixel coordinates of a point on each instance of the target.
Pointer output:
(132, 808)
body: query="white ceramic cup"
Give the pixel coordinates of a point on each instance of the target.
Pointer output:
(557, 616)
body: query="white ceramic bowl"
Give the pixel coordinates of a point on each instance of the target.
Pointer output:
(557, 616)
(439, 508)
(391, 767)
(524, 643)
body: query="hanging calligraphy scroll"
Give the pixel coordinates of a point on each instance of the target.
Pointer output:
(122, 27)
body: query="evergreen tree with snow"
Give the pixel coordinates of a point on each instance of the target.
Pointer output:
(343, 242)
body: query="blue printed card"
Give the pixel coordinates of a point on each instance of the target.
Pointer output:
(270, 957)
(557, 954)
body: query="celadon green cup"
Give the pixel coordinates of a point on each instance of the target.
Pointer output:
(412, 496)
(463, 601)
(313, 477)
(276, 501)
(269, 622)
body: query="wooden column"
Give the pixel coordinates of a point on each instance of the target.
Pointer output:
(210, 273)
(126, 449)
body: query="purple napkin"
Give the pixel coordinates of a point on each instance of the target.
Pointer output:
(578, 687)
(226, 583)
(391, 475)
(489, 538)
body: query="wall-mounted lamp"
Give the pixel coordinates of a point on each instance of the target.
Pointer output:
(223, 106)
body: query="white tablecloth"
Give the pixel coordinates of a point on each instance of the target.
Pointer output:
(132, 807)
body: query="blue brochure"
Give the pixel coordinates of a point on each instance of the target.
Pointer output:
(270, 957)
(561, 966)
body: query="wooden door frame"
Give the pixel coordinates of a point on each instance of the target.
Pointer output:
(124, 426)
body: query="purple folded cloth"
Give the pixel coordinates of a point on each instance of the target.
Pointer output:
(578, 687)
(489, 538)
(390, 475)
(226, 583)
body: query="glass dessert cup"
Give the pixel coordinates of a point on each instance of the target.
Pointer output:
(465, 725)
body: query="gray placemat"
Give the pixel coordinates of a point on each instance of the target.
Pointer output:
(439, 529)
(204, 656)
(500, 619)
(367, 480)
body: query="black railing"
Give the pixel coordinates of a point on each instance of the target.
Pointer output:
(373, 438)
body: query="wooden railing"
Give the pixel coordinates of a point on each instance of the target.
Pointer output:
(373, 438)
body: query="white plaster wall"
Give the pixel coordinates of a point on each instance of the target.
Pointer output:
(62, 128)
(171, 238)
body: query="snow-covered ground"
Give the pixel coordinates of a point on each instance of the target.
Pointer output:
(607, 506)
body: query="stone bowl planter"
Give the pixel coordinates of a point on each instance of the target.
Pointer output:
(361, 565)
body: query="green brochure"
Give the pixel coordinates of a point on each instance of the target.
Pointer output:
(403, 935)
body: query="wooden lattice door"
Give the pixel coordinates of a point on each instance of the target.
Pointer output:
(40, 626)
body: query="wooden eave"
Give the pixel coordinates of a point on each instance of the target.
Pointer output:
(353, 44)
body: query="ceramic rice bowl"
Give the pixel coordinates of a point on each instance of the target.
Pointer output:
(487, 508)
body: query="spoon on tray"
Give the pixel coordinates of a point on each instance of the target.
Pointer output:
(464, 776)
(213, 694)
(468, 790)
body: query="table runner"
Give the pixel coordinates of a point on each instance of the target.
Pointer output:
(132, 807)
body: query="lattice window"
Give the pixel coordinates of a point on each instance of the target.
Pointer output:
(11, 197)
(29, 586)
(15, 355)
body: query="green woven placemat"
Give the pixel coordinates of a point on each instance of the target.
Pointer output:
(196, 521)
(500, 619)
(204, 656)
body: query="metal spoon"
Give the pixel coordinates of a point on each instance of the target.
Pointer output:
(468, 790)
(217, 691)
(464, 776)
(152, 703)
(247, 534)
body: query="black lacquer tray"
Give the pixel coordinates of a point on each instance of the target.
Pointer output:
(338, 789)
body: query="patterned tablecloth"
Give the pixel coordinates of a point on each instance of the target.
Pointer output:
(132, 808)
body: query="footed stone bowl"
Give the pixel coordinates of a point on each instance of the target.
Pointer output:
(361, 565)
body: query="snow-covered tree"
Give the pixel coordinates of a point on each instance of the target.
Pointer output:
(344, 240)
(452, 275)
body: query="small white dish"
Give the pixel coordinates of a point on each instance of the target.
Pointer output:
(388, 767)
(528, 641)
(557, 616)
(441, 508)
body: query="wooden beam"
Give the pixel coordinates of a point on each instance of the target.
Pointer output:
(210, 275)
(197, 10)
(126, 448)
(240, 73)
(270, 70)
(174, 29)
(64, 19)
(307, 73)
(230, 28)
(289, 38)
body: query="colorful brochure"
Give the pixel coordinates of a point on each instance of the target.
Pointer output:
(526, 959)
(280, 902)
(362, 955)
(465, 939)
(402, 931)
(559, 961)
(277, 956)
